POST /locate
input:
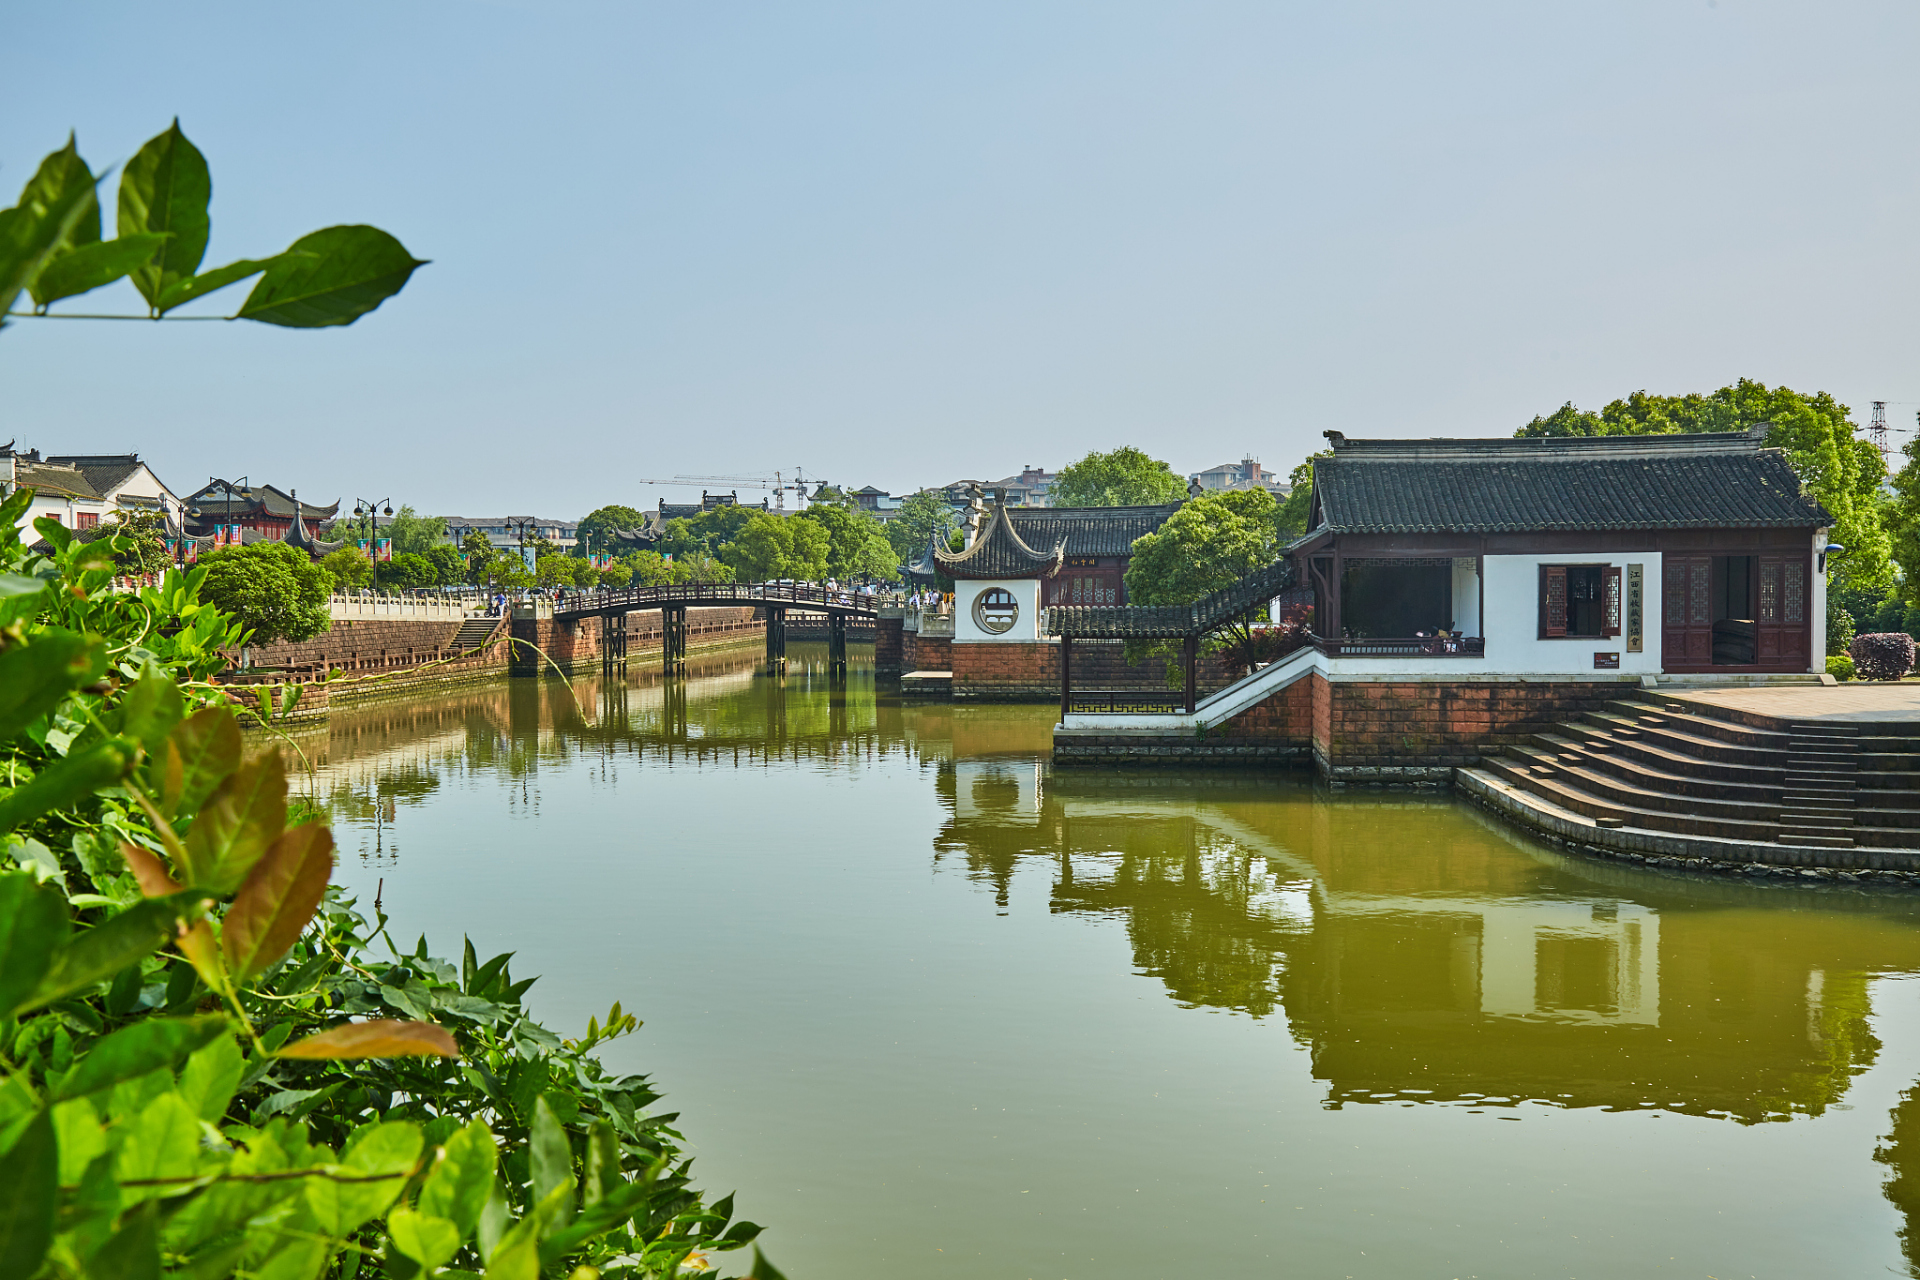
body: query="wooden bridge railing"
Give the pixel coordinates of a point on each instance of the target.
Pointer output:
(788, 594)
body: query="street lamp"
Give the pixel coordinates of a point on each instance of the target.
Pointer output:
(245, 484)
(361, 507)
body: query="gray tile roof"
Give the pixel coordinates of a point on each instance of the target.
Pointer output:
(1724, 481)
(1001, 552)
(105, 472)
(1089, 531)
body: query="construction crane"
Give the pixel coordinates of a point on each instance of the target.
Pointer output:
(777, 483)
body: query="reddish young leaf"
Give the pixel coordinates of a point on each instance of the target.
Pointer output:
(279, 896)
(148, 870)
(202, 952)
(383, 1038)
(244, 815)
(204, 749)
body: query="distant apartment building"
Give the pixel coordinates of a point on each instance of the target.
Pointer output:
(515, 533)
(1244, 474)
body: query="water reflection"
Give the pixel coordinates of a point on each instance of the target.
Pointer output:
(1421, 953)
(1421, 960)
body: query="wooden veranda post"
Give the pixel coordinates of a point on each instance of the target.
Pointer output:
(1066, 676)
(1191, 646)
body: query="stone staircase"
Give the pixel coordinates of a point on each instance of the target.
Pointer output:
(1664, 765)
(473, 633)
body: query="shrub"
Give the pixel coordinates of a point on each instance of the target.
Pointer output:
(1885, 656)
(1840, 629)
(181, 982)
(1840, 667)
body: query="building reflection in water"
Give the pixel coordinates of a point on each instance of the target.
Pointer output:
(1420, 959)
(1421, 953)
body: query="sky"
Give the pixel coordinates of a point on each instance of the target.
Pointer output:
(902, 244)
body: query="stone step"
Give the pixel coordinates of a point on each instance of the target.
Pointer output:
(1816, 839)
(1806, 818)
(1818, 782)
(1817, 800)
(1826, 730)
(1823, 764)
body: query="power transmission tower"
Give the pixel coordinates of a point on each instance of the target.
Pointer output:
(1877, 428)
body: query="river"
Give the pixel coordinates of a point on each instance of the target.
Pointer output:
(936, 1010)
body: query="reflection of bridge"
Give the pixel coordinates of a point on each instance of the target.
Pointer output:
(772, 598)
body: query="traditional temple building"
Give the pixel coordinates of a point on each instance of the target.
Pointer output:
(262, 508)
(1019, 561)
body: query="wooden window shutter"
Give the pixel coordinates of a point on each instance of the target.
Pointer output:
(1611, 625)
(1553, 599)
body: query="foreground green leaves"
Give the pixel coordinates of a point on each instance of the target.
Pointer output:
(214, 1066)
(50, 245)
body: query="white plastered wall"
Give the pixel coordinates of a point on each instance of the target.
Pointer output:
(1817, 601)
(1514, 647)
(1026, 628)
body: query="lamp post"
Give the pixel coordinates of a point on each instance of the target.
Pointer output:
(524, 527)
(372, 511)
(227, 487)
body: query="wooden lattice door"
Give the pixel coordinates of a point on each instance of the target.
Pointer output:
(1686, 610)
(1780, 612)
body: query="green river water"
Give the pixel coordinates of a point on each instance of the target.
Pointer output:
(935, 1009)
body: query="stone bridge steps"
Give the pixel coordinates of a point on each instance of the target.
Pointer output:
(1659, 767)
(473, 633)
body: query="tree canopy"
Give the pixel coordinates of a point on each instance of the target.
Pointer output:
(919, 516)
(600, 523)
(273, 590)
(771, 547)
(707, 532)
(1126, 477)
(1816, 431)
(1212, 542)
(1293, 513)
(857, 545)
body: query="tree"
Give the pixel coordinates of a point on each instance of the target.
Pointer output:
(414, 534)
(1294, 512)
(348, 567)
(275, 591)
(1212, 542)
(1125, 477)
(409, 571)
(600, 524)
(449, 564)
(919, 517)
(857, 545)
(1900, 512)
(141, 537)
(616, 575)
(707, 532)
(1816, 432)
(771, 547)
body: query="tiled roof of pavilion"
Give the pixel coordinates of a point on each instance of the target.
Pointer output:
(1089, 531)
(1723, 480)
(999, 552)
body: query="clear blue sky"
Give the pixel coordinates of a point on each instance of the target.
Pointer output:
(904, 243)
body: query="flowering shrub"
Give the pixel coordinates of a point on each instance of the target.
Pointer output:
(1885, 656)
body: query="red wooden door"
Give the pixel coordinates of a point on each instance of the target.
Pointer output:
(1780, 612)
(1686, 609)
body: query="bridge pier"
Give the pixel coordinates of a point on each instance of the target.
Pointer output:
(836, 642)
(776, 639)
(673, 638)
(613, 640)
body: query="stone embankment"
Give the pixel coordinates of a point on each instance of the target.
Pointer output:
(359, 659)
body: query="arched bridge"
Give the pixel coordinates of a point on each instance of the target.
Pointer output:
(775, 598)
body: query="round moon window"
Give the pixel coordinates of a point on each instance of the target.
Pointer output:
(996, 611)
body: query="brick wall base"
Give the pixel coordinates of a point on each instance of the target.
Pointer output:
(1367, 732)
(889, 646)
